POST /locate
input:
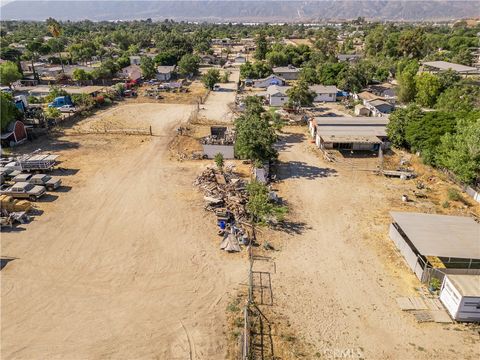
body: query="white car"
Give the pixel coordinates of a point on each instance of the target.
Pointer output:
(67, 108)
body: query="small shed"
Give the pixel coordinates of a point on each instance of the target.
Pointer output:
(15, 133)
(460, 294)
(361, 110)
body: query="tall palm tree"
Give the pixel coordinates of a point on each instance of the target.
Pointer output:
(56, 30)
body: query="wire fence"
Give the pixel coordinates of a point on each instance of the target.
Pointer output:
(256, 338)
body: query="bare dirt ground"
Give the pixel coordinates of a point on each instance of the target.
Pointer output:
(137, 116)
(123, 263)
(216, 108)
(337, 272)
(196, 90)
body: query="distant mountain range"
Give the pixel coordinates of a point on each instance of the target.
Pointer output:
(241, 11)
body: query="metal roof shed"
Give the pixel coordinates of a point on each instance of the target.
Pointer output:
(454, 240)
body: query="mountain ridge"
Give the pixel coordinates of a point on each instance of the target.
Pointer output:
(242, 11)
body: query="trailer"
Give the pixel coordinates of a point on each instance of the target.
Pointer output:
(33, 163)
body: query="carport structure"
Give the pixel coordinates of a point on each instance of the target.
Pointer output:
(435, 245)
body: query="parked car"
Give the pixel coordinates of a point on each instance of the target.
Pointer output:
(67, 109)
(23, 190)
(216, 87)
(9, 173)
(22, 178)
(50, 182)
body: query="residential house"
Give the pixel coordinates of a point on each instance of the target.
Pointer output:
(440, 66)
(240, 59)
(164, 73)
(385, 91)
(435, 245)
(324, 93)
(131, 72)
(277, 95)
(349, 133)
(379, 107)
(289, 72)
(270, 80)
(208, 59)
(135, 60)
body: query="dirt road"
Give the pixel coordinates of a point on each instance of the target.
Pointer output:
(336, 281)
(125, 265)
(216, 108)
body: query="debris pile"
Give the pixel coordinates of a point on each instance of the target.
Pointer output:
(225, 137)
(224, 190)
(226, 195)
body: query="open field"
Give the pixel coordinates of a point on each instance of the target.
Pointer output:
(338, 273)
(125, 264)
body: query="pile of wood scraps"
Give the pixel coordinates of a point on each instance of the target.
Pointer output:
(223, 190)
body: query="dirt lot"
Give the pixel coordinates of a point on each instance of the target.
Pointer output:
(123, 263)
(137, 116)
(338, 274)
(196, 90)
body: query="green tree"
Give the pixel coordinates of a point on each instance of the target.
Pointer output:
(406, 81)
(260, 207)
(8, 110)
(460, 152)
(219, 161)
(428, 88)
(52, 113)
(300, 95)
(9, 73)
(81, 76)
(255, 71)
(398, 122)
(33, 48)
(225, 77)
(459, 98)
(424, 134)
(308, 75)
(277, 58)
(411, 43)
(56, 30)
(147, 65)
(210, 78)
(189, 64)
(261, 47)
(255, 136)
